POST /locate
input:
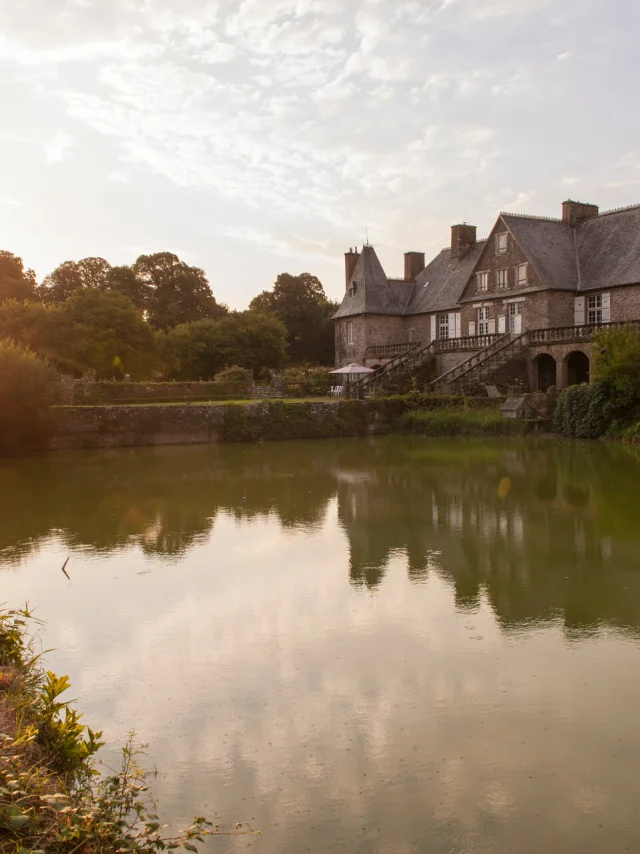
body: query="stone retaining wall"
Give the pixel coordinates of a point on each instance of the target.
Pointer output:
(188, 424)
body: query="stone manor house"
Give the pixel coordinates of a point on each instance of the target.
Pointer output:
(518, 308)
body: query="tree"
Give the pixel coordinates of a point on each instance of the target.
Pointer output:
(200, 350)
(253, 340)
(34, 326)
(92, 332)
(28, 389)
(15, 282)
(72, 276)
(176, 292)
(617, 366)
(107, 335)
(124, 280)
(301, 304)
(191, 351)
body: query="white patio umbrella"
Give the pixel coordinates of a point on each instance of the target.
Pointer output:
(352, 372)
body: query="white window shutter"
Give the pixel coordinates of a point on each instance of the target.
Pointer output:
(472, 327)
(578, 317)
(502, 324)
(492, 327)
(458, 325)
(433, 327)
(452, 326)
(606, 308)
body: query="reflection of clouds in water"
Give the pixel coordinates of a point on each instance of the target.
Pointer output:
(341, 718)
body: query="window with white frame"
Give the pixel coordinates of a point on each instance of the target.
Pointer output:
(501, 243)
(521, 275)
(598, 309)
(483, 321)
(482, 282)
(443, 326)
(349, 331)
(515, 317)
(502, 278)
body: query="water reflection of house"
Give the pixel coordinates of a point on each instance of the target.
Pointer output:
(536, 551)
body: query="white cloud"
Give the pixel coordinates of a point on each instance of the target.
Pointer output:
(58, 147)
(318, 114)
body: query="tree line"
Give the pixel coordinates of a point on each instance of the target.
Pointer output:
(159, 318)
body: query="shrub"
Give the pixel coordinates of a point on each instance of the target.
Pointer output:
(617, 365)
(234, 381)
(418, 400)
(457, 422)
(52, 798)
(28, 389)
(584, 411)
(308, 382)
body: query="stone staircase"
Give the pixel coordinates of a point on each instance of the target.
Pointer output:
(481, 367)
(401, 365)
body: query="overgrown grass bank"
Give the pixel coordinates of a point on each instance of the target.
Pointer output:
(52, 797)
(456, 422)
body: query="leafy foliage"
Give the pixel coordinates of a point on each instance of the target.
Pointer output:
(307, 382)
(202, 349)
(175, 292)
(15, 282)
(52, 797)
(583, 411)
(457, 422)
(301, 304)
(91, 332)
(617, 366)
(28, 389)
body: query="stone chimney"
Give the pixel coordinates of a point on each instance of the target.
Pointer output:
(573, 213)
(350, 261)
(463, 237)
(413, 265)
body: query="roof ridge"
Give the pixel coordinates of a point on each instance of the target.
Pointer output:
(531, 216)
(619, 210)
(482, 240)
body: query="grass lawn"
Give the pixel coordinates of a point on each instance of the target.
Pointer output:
(240, 402)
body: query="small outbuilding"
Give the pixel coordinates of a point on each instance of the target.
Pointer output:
(517, 407)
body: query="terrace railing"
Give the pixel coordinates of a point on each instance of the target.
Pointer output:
(388, 351)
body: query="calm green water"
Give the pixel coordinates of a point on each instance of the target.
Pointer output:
(387, 646)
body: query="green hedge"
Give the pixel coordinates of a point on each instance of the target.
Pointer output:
(418, 400)
(457, 422)
(279, 420)
(583, 411)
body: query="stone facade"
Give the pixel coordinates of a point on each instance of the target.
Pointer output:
(530, 274)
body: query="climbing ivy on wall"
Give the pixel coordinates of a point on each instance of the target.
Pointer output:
(583, 411)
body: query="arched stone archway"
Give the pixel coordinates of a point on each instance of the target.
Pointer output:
(545, 366)
(577, 368)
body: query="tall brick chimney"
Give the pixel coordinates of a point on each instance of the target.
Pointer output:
(463, 237)
(413, 265)
(350, 261)
(573, 213)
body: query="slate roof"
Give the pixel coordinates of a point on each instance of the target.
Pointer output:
(442, 282)
(374, 293)
(609, 249)
(601, 252)
(549, 245)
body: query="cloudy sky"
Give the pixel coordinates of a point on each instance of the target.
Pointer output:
(253, 137)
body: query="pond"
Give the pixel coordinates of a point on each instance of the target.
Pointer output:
(385, 646)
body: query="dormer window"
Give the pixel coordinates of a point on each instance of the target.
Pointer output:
(501, 243)
(353, 289)
(482, 282)
(521, 275)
